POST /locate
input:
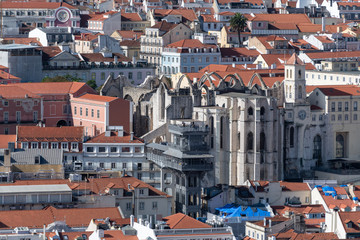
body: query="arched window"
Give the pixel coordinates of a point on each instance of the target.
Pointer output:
(250, 111)
(317, 147)
(340, 146)
(299, 73)
(262, 142)
(250, 141)
(299, 92)
(262, 111)
(290, 95)
(292, 137)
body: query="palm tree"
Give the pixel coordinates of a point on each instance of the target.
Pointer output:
(238, 23)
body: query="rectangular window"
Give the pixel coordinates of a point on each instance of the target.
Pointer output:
(355, 106)
(339, 117)
(64, 145)
(102, 165)
(102, 149)
(6, 117)
(124, 165)
(130, 75)
(139, 176)
(35, 116)
(346, 106)
(92, 112)
(90, 149)
(75, 112)
(65, 107)
(18, 116)
(44, 145)
(6, 103)
(54, 145)
(86, 112)
(142, 206)
(113, 165)
(18, 103)
(74, 146)
(355, 117)
(139, 166)
(333, 106)
(98, 113)
(113, 149)
(333, 117)
(340, 106)
(154, 205)
(125, 149)
(34, 145)
(128, 206)
(80, 111)
(138, 149)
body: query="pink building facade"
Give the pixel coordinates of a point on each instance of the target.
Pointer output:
(95, 113)
(18, 106)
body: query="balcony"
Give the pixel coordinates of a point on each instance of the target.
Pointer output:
(180, 165)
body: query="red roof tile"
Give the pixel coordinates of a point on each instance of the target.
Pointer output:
(114, 138)
(5, 139)
(51, 88)
(336, 90)
(49, 134)
(182, 221)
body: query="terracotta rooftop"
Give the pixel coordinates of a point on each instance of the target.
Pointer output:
(292, 235)
(75, 217)
(130, 35)
(130, 17)
(130, 43)
(182, 221)
(190, 43)
(294, 60)
(5, 139)
(164, 26)
(336, 90)
(114, 138)
(26, 41)
(50, 88)
(186, 14)
(49, 134)
(98, 98)
(354, 217)
(236, 52)
(12, 91)
(280, 18)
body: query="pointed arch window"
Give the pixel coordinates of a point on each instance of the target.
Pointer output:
(250, 141)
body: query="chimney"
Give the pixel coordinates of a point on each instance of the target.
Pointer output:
(7, 158)
(233, 65)
(323, 24)
(132, 136)
(132, 218)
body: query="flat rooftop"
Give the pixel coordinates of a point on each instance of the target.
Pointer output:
(15, 46)
(35, 188)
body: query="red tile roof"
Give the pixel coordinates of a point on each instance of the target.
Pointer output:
(324, 39)
(336, 90)
(130, 43)
(51, 88)
(182, 221)
(353, 217)
(294, 60)
(99, 98)
(114, 138)
(50, 52)
(236, 52)
(130, 17)
(5, 139)
(8, 76)
(187, 14)
(303, 209)
(329, 55)
(280, 18)
(130, 34)
(292, 235)
(74, 217)
(49, 134)
(190, 43)
(164, 26)
(13, 91)
(26, 41)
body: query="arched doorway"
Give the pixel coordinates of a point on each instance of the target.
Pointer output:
(61, 123)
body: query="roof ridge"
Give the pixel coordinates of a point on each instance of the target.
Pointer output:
(179, 220)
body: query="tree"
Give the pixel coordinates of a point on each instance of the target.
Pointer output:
(66, 78)
(238, 23)
(92, 84)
